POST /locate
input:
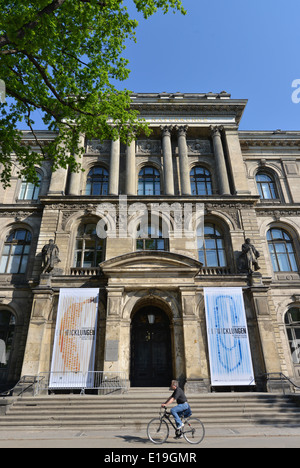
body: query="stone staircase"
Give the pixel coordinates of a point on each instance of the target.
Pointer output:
(138, 406)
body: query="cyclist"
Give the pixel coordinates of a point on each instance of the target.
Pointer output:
(182, 404)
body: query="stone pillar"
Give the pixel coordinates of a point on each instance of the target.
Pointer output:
(75, 177)
(58, 182)
(168, 160)
(38, 349)
(113, 352)
(220, 161)
(131, 188)
(259, 295)
(114, 171)
(184, 161)
(236, 162)
(194, 380)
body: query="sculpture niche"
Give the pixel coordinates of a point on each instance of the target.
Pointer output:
(247, 261)
(50, 254)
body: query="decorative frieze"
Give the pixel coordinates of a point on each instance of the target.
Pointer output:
(148, 147)
(199, 146)
(98, 147)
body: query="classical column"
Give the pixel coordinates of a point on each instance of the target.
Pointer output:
(130, 169)
(184, 161)
(75, 177)
(168, 160)
(114, 171)
(220, 160)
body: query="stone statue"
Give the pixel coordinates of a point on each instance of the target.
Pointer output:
(247, 261)
(50, 254)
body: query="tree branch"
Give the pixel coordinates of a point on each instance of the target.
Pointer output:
(4, 40)
(48, 10)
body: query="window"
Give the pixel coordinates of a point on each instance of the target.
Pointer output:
(7, 328)
(16, 252)
(266, 187)
(97, 182)
(201, 183)
(281, 250)
(292, 322)
(212, 252)
(90, 249)
(153, 238)
(149, 181)
(30, 191)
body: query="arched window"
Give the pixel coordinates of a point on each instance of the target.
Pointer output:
(7, 329)
(212, 251)
(266, 186)
(201, 183)
(30, 191)
(292, 323)
(149, 181)
(282, 250)
(152, 237)
(90, 249)
(97, 182)
(15, 252)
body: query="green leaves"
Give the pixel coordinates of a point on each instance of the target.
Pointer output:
(61, 57)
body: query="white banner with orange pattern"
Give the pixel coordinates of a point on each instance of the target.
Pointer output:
(73, 357)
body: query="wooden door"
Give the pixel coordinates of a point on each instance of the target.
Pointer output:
(151, 357)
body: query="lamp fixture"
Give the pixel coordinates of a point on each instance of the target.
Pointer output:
(151, 319)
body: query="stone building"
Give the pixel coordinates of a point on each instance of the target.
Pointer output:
(249, 183)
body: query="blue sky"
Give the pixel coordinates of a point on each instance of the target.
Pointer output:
(248, 48)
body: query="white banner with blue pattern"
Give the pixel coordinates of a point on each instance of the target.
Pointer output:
(228, 339)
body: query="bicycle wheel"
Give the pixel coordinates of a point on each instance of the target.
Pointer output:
(193, 431)
(158, 431)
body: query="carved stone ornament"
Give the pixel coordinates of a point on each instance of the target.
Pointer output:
(199, 146)
(98, 147)
(149, 146)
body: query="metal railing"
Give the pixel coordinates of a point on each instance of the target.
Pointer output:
(279, 376)
(26, 383)
(106, 382)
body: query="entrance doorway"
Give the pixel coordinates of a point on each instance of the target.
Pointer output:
(151, 355)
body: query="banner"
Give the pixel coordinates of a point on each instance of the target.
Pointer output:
(228, 339)
(75, 339)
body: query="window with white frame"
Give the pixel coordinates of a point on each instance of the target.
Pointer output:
(30, 191)
(89, 249)
(282, 250)
(292, 323)
(15, 253)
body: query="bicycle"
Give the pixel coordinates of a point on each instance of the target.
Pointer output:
(158, 428)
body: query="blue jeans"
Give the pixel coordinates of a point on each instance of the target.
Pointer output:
(179, 409)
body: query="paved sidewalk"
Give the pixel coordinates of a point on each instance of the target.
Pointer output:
(225, 437)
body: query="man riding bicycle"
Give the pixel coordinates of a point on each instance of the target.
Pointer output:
(182, 404)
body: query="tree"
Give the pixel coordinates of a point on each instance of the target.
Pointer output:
(61, 57)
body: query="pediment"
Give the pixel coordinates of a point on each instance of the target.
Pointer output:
(151, 264)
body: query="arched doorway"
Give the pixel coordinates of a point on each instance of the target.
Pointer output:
(151, 355)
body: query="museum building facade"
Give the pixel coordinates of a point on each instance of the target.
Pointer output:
(152, 312)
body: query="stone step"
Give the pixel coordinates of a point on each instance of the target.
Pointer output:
(137, 408)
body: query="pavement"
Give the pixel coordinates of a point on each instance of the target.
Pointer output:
(116, 442)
